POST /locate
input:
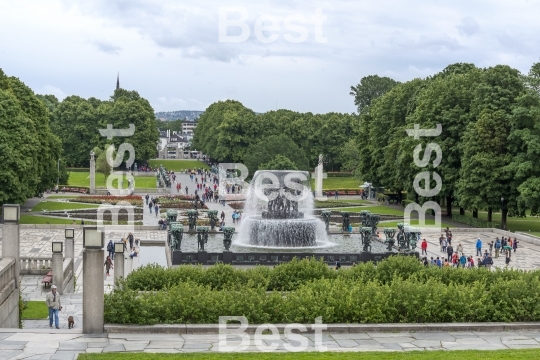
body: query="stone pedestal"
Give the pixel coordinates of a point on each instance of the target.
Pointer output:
(58, 272)
(202, 257)
(11, 247)
(118, 266)
(227, 257)
(69, 245)
(176, 257)
(93, 304)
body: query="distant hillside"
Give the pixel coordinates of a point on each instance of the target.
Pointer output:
(189, 115)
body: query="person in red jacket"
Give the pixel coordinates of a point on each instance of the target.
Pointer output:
(424, 247)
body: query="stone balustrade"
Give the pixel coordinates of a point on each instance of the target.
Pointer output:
(35, 265)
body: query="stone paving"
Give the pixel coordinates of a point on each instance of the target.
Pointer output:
(67, 344)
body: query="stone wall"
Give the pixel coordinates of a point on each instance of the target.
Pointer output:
(9, 295)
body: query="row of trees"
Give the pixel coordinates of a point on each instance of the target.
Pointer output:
(77, 121)
(28, 148)
(230, 132)
(40, 136)
(490, 139)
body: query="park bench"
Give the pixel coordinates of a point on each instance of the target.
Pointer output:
(47, 279)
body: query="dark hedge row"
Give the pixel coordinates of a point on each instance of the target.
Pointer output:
(396, 290)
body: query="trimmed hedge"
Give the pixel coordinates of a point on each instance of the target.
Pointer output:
(478, 223)
(396, 290)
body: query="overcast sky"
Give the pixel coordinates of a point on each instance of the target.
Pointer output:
(171, 52)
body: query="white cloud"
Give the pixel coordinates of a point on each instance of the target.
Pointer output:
(51, 90)
(170, 52)
(468, 26)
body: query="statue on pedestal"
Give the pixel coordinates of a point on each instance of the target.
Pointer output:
(192, 219)
(228, 232)
(346, 222)
(176, 232)
(202, 237)
(390, 233)
(213, 218)
(326, 217)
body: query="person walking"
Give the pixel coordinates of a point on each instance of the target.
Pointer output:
(110, 249)
(459, 249)
(462, 260)
(186, 190)
(335, 195)
(515, 244)
(108, 265)
(449, 251)
(508, 254)
(53, 303)
(497, 247)
(441, 242)
(491, 247)
(150, 206)
(130, 239)
(424, 247)
(488, 261)
(478, 247)
(156, 209)
(146, 197)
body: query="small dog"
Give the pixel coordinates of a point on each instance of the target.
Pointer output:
(71, 323)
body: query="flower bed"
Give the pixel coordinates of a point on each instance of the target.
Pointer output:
(76, 189)
(237, 205)
(133, 200)
(181, 205)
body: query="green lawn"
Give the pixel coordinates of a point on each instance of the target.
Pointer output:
(381, 210)
(54, 205)
(339, 183)
(178, 165)
(526, 224)
(393, 224)
(521, 354)
(32, 219)
(83, 179)
(35, 310)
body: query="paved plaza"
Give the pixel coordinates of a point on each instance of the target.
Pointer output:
(67, 344)
(37, 341)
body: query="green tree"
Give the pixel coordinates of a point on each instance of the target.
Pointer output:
(369, 88)
(279, 162)
(28, 149)
(268, 148)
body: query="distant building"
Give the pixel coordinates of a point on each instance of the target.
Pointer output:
(188, 128)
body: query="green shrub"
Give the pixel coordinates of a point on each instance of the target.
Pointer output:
(396, 290)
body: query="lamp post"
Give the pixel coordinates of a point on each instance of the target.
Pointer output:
(93, 257)
(70, 239)
(58, 174)
(503, 214)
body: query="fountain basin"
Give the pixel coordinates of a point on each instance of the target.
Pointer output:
(300, 232)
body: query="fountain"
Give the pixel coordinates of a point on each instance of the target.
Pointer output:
(278, 211)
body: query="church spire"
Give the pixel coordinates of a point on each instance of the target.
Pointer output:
(118, 81)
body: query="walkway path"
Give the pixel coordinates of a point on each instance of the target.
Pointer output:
(67, 344)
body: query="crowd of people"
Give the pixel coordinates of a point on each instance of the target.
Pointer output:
(457, 257)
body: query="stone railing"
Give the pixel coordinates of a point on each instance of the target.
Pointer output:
(9, 296)
(35, 266)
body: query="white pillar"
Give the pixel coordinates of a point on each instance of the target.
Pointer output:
(93, 292)
(118, 266)
(319, 178)
(70, 248)
(58, 272)
(11, 247)
(92, 173)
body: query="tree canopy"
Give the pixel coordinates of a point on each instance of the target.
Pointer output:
(29, 150)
